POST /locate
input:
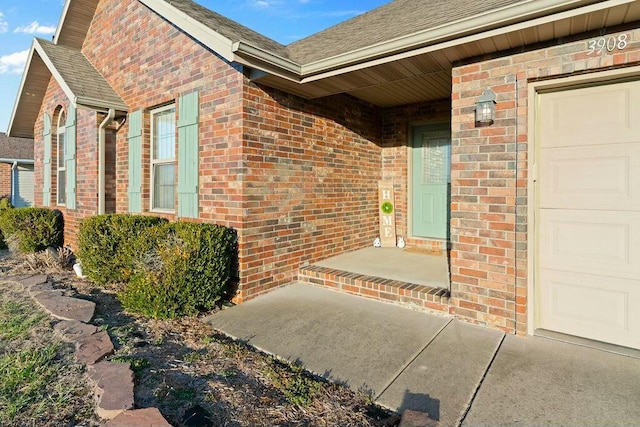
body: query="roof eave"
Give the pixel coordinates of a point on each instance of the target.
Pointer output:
(516, 15)
(492, 23)
(63, 17)
(99, 104)
(11, 160)
(25, 75)
(253, 56)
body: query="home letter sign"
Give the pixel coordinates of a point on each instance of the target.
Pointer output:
(387, 214)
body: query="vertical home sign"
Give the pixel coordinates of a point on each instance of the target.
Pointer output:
(387, 209)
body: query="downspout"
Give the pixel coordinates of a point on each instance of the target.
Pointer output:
(101, 160)
(14, 187)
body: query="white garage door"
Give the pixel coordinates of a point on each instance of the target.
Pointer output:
(23, 186)
(588, 213)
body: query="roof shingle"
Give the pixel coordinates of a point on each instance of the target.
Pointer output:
(227, 27)
(78, 73)
(388, 22)
(15, 148)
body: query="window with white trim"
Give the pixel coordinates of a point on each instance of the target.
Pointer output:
(61, 170)
(163, 156)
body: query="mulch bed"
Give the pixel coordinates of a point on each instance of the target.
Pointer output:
(197, 377)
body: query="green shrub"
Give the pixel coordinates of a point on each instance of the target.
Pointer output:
(5, 204)
(30, 230)
(108, 245)
(187, 271)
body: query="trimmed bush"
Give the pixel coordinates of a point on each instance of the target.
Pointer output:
(108, 245)
(5, 204)
(29, 230)
(187, 271)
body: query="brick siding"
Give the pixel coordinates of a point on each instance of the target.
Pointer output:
(297, 179)
(5, 179)
(489, 259)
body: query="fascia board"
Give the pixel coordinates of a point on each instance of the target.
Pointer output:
(205, 35)
(63, 17)
(263, 55)
(333, 66)
(25, 76)
(100, 104)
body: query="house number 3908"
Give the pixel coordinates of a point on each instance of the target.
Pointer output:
(608, 44)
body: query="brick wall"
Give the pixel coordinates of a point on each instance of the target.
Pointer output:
(86, 160)
(5, 179)
(489, 178)
(310, 177)
(296, 179)
(151, 63)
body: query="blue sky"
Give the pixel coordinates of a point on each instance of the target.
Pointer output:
(283, 20)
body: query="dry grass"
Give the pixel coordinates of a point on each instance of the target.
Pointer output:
(194, 375)
(40, 383)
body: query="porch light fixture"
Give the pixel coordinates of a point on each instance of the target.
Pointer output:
(486, 108)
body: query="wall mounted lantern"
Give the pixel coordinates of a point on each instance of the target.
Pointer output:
(486, 108)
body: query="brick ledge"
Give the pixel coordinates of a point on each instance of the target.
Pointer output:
(378, 288)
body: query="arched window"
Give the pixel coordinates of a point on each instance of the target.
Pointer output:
(60, 150)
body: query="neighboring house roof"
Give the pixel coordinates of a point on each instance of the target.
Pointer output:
(399, 53)
(15, 149)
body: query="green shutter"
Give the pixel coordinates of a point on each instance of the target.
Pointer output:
(135, 162)
(188, 155)
(70, 158)
(46, 183)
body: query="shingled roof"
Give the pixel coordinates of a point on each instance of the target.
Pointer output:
(84, 82)
(228, 28)
(15, 148)
(399, 53)
(393, 20)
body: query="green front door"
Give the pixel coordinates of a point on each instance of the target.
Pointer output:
(431, 181)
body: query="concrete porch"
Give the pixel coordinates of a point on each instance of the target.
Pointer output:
(459, 374)
(406, 276)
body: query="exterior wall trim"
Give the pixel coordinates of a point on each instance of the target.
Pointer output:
(534, 90)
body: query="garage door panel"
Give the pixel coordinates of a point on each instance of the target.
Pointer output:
(588, 213)
(590, 306)
(597, 242)
(595, 177)
(591, 115)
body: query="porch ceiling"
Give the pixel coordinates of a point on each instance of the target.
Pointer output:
(424, 74)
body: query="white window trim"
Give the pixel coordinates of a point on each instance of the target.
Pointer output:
(163, 161)
(61, 129)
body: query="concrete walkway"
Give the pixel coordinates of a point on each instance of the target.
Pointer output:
(458, 373)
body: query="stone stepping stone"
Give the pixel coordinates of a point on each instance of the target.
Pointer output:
(93, 348)
(29, 281)
(66, 308)
(114, 388)
(148, 417)
(74, 330)
(18, 278)
(39, 288)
